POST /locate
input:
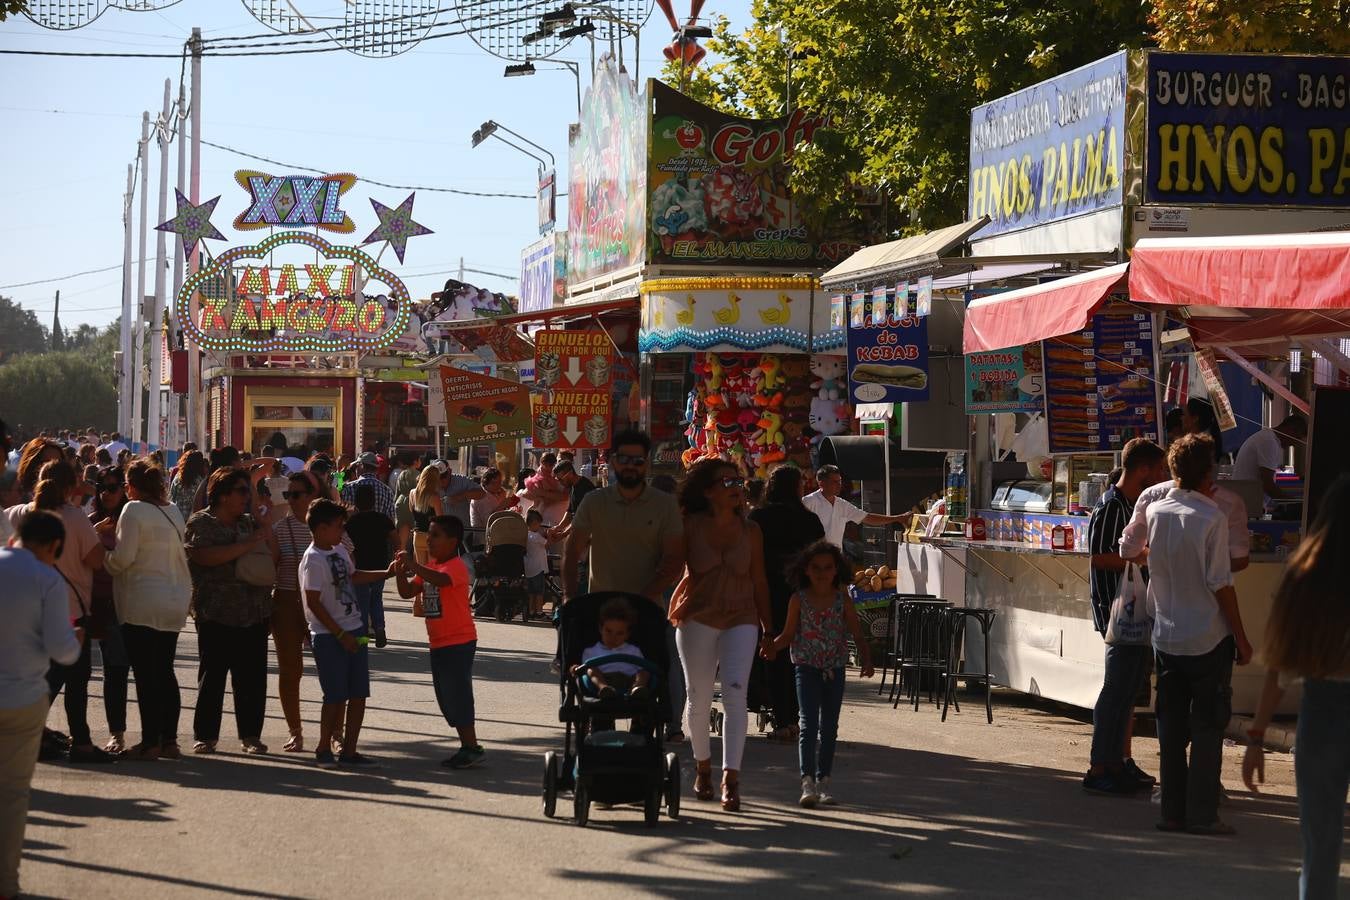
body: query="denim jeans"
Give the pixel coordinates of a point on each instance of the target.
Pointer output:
(820, 694)
(1126, 667)
(370, 597)
(1195, 701)
(1322, 767)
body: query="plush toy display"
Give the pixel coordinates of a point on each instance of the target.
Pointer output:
(759, 409)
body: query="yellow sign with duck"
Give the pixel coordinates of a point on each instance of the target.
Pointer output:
(771, 313)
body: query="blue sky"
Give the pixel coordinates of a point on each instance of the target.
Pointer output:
(405, 120)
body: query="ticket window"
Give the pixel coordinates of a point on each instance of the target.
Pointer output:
(308, 419)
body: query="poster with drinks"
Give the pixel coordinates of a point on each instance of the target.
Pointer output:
(1101, 383)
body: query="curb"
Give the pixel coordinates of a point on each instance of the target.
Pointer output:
(1278, 736)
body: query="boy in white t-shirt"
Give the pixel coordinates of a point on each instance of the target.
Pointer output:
(617, 619)
(337, 627)
(536, 562)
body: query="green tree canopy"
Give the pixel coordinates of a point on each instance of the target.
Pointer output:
(57, 390)
(20, 331)
(1245, 26)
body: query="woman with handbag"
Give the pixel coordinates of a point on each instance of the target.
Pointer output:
(152, 587)
(233, 563)
(109, 499)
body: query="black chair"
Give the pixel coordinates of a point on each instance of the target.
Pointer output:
(890, 652)
(922, 647)
(958, 619)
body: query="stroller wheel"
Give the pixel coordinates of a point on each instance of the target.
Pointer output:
(581, 804)
(652, 809)
(672, 785)
(550, 784)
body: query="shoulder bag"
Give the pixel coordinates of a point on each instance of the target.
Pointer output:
(257, 567)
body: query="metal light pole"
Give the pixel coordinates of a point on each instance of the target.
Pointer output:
(175, 401)
(138, 307)
(196, 406)
(155, 413)
(124, 367)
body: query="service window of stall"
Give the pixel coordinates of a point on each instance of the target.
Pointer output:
(307, 419)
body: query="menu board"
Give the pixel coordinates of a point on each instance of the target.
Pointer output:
(1005, 381)
(1101, 384)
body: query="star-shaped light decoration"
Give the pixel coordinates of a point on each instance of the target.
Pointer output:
(396, 225)
(193, 223)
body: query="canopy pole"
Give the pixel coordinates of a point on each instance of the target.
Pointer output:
(1256, 372)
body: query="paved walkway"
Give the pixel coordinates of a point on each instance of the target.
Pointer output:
(963, 809)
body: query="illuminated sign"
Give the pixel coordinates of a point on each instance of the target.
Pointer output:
(308, 307)
(294, 200)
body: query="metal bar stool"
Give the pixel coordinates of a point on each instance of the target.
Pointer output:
(958, 618)
(890, 654)
(922, 633)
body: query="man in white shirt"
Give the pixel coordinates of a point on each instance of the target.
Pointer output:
(1198, 635)
(1264, 452)
(1134, 540)
(836, 513)
(115, 446)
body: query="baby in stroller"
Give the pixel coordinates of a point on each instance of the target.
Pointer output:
(616, 677)
(603, 637)
(501, 589)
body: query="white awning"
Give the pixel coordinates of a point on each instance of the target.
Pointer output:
(881, 262)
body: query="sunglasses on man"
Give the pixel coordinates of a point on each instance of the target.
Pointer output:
(623, 459)
(733, 482)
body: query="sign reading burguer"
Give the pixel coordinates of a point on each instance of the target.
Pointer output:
(573, 360)
(575, 368)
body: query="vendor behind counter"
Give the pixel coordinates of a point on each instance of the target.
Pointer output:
(1266, 451)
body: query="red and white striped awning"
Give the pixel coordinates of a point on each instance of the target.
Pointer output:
(1043, 311)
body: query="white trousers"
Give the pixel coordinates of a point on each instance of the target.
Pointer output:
(704, 651)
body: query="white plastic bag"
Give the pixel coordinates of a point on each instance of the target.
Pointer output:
(1129, 621)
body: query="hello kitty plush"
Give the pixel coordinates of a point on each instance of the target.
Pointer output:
(829, 376)
(828, 417)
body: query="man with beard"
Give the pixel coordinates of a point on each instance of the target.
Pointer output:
(634, 533)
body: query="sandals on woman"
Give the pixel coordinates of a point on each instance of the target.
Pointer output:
(731, 791)
(117, 745)
(204, 748)
(294, 744)
(703, 789)
(253, 746)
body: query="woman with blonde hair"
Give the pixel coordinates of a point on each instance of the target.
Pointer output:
(425, 502)
(1308, 639)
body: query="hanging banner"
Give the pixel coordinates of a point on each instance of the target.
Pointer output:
(573, 360)
(607, 184)
(1208, 365)
(923, 299)
(888, 359)
(543, 273)
(1051, 151)
(548, 201)
(1101, 384)
(1247, 129)
(481, 409)
(1005, 381)
(719, 188)
(573, 419)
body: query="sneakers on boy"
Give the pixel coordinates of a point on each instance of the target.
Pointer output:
(823, 791)
(465, 758)
(1110, 784)
(809, 795)
(1138, 774)
(325, 759)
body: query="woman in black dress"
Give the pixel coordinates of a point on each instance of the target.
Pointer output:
(788, 528)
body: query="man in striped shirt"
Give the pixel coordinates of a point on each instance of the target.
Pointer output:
(1113, 770)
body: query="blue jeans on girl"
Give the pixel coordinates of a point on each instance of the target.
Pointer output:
(820, 695)
(1322, 769)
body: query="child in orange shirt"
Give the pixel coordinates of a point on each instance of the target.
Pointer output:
(440, 594)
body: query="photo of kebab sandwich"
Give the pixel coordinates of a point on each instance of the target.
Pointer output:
(892, 376)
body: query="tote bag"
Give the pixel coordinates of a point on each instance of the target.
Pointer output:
(1130, 622)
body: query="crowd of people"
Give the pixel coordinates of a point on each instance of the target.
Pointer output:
(108, 546)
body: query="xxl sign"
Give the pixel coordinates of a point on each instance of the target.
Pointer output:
(294, 201)
(1051, 151)
(719, 188)
(245, 305)
(1248, 130)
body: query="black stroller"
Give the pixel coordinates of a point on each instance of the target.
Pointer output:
(500, 589)
(605, 765)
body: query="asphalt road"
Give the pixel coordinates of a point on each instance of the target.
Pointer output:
(961, 809)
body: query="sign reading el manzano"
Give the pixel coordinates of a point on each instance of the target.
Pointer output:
(1248, 130)
(1051, 151)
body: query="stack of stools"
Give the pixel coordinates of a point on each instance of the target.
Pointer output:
(921, 639)
(958, 619)
(890, 654)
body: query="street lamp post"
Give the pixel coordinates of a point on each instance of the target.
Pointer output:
(528, 68)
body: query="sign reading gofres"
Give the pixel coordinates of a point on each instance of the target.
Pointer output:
(1051, 151)
(1248, 130)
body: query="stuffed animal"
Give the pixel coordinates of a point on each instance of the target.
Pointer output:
(830, 375)
(772, 425)
(794, 367)
(716, 377)
(829, 417)
(770, 367)
(750, 422)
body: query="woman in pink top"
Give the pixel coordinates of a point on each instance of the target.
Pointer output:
(718, 610)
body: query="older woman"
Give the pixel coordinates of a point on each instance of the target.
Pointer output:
(495, 497)
(153, 587)
(788, 528)
(718, 610)
(288, 615)
(232, 615)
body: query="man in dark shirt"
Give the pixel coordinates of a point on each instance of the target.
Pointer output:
(373, 537)
(1113, 770)
(578, 486)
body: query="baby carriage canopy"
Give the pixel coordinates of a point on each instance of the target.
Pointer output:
(506, 528)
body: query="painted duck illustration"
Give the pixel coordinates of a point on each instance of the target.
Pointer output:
(729, 315)
(659, 314)
(686, 315)
(778, 316)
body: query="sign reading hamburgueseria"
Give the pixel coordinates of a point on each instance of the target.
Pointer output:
(1247, 130)
(1051, 151)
